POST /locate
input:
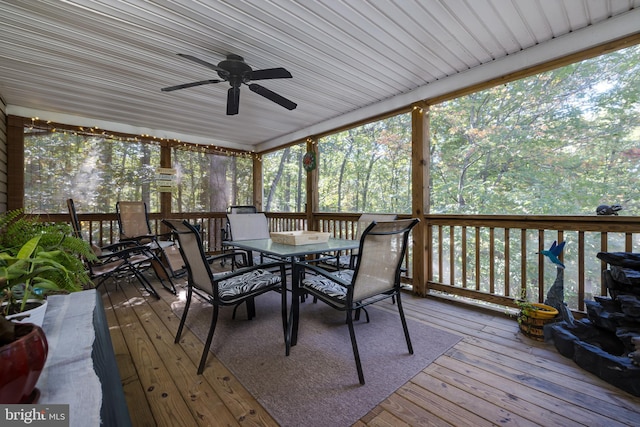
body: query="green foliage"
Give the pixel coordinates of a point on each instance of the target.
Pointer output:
(38, 258)
(285, 180)
(368, 168)
(211, 182)
(561, 142)
(92, 169)
(97, 172)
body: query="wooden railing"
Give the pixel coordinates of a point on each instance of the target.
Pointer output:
(493, 259)
(496, 258)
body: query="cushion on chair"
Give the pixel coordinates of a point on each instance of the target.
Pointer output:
(246, 283)
(344, 261)
(327, 286)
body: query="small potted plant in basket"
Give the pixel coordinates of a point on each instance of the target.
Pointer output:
(533, 316)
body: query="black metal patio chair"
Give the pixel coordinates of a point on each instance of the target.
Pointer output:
(376, 277)
(223, 289)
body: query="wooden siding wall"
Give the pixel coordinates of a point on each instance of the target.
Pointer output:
(3, 155)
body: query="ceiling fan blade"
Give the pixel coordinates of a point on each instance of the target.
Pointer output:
(186, 85)
(233, 100)
(270, 73)
(278, 99)
(205, 63)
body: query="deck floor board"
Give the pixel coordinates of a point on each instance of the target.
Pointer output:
(493, 376)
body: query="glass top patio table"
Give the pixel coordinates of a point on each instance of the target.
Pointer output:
(295, 254)
(269, 247)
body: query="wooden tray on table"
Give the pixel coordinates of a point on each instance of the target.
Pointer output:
(299, 237)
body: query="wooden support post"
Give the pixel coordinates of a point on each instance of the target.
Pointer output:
(420, 195)
(257, 182)
(165, 197)
(15, 163)
(313, 198)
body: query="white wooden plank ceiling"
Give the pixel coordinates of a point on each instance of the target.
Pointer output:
(103, 62)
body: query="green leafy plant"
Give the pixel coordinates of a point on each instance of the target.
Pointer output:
(38, 259)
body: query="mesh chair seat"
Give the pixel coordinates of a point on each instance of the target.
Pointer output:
(102, 270)
(133, 221)
(247, 283)
(331, 287)
(343, 261)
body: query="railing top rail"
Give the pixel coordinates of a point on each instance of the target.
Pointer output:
(542, 222)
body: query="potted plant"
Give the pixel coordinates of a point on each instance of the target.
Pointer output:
(36, 259)
(533, 316)
(23, 352)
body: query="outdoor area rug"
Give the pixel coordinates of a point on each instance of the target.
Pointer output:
(317, 385)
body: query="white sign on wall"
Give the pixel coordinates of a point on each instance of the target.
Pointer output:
(166, 180)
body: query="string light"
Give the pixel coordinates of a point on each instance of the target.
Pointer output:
(144, 138)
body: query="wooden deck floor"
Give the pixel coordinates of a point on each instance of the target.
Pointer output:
(493, 376)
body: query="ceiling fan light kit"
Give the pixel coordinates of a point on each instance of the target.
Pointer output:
(237, 72)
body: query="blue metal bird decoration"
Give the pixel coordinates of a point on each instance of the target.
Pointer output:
(554, 251)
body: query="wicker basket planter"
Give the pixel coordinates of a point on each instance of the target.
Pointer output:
(533, 317)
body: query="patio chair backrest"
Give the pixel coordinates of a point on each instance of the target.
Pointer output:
(248, 226)
(75, 222)
(193, 255)
(382, 249)
(366, 219)
(133, 219)
(77, 227)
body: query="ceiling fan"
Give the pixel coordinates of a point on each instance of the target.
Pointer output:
(235, 71)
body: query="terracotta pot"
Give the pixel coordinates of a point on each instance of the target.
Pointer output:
(21, 363)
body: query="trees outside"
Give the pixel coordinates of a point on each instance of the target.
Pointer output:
(284, 180)
(558, 143)
(94, 170)
(561, 142)
(97, 172)
(367, 168)
(211, 182)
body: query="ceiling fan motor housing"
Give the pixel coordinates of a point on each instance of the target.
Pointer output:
(238, 71)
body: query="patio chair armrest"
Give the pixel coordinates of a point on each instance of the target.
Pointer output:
(241, 271)
(231, 255)
(139, 239)
(126, 252)
(111, 257)
(129, 240)
(331, 275)
(121, 245)
(164, 236)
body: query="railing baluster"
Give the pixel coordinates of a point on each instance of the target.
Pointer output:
(507, 263)
(477, 257)
(452, 256)
(492, 257)
(463, 255)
